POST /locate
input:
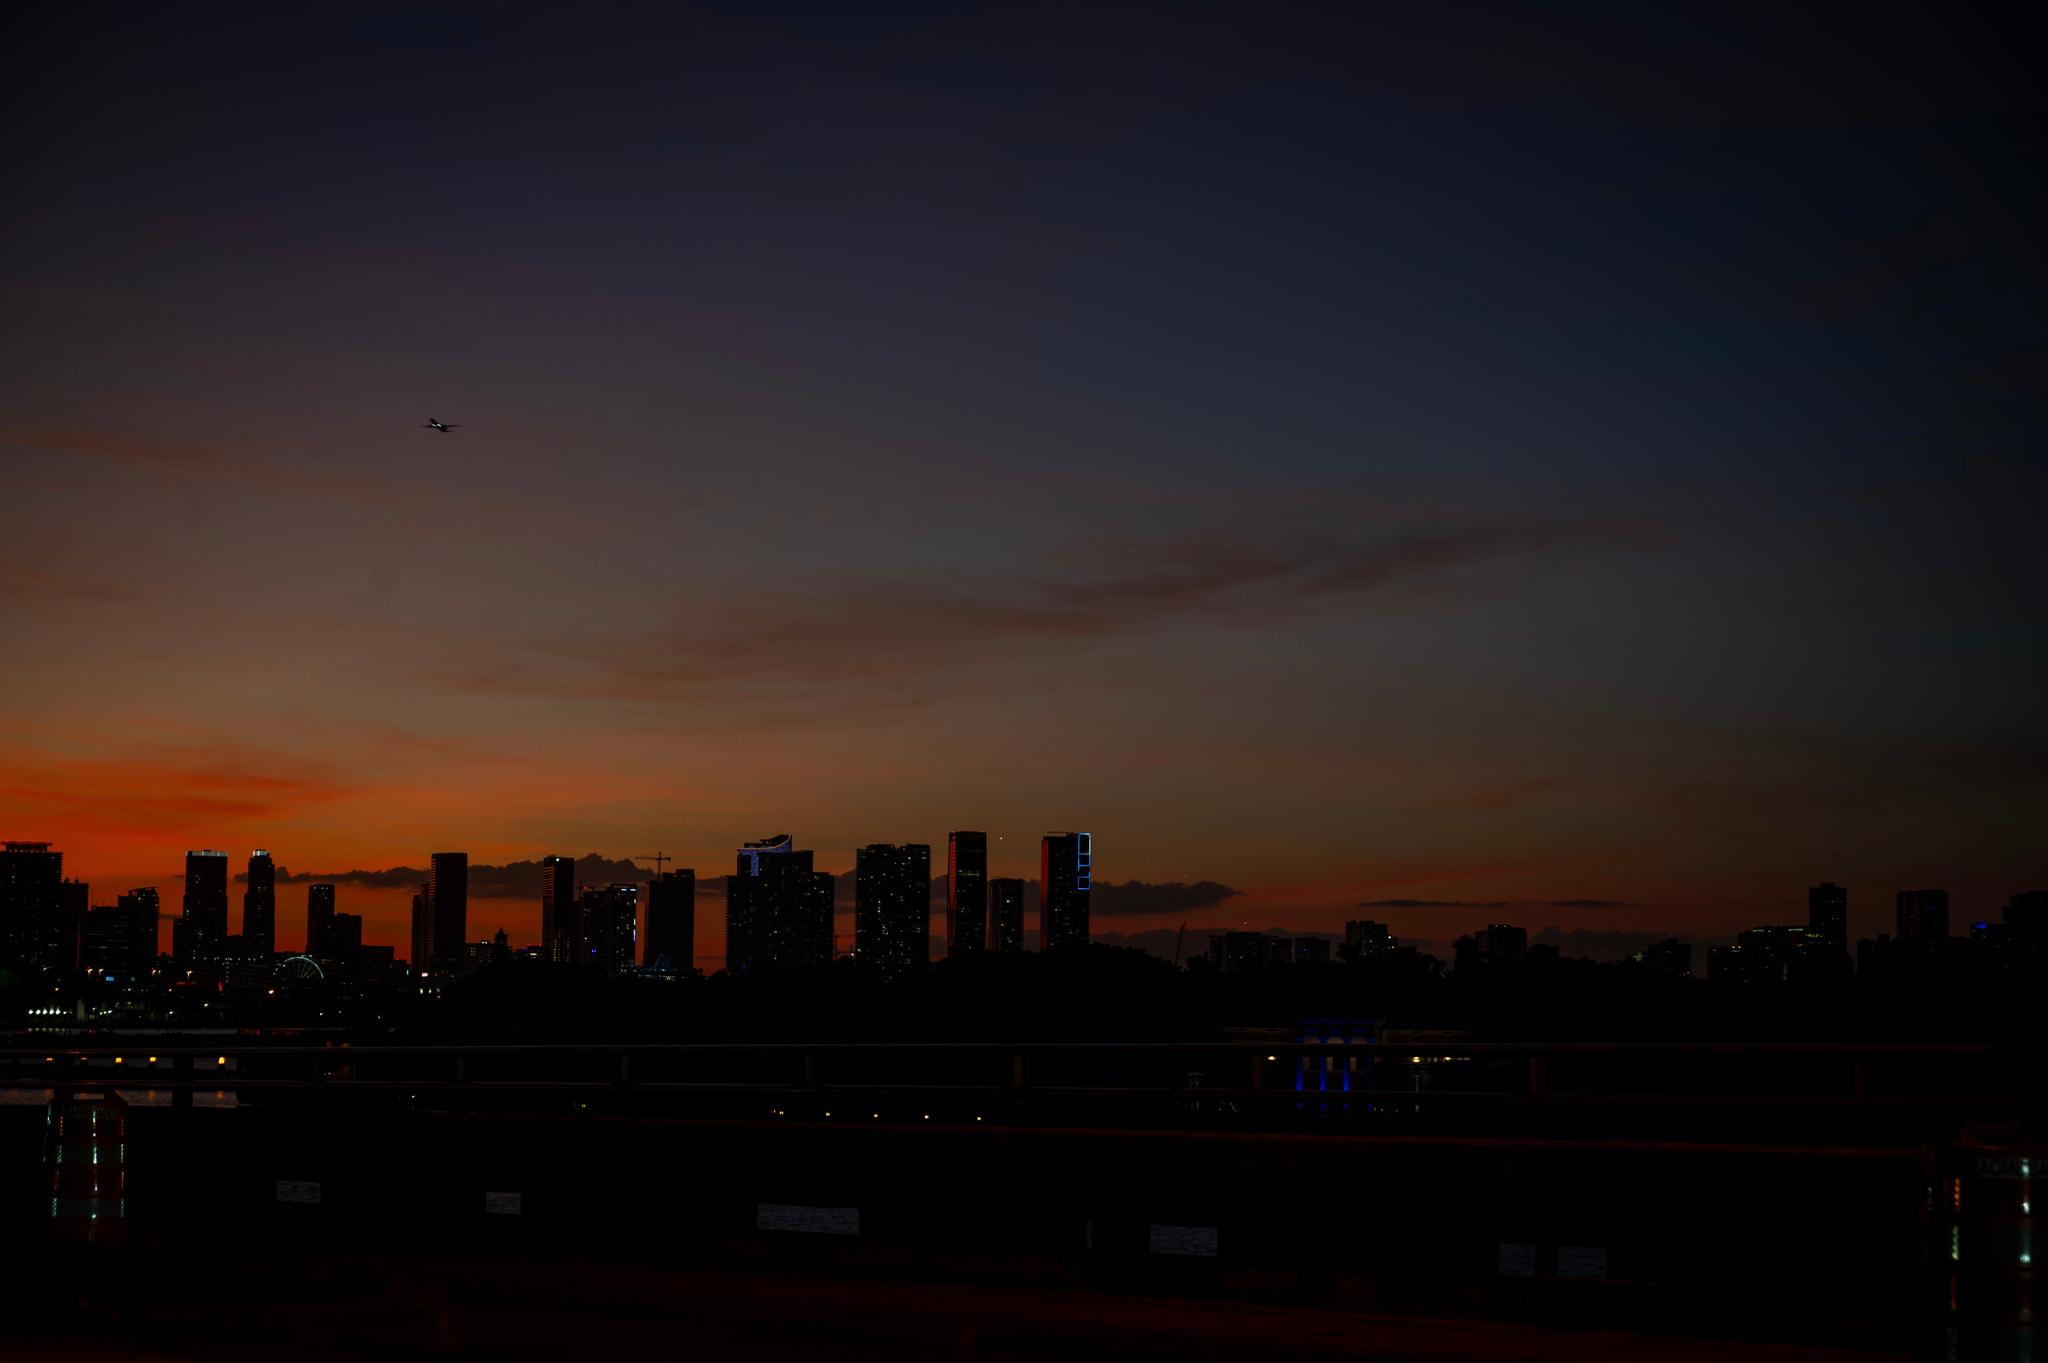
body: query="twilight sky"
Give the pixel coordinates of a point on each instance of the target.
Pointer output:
(1350, 454)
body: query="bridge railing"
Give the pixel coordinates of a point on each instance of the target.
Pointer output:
(1181, 1081)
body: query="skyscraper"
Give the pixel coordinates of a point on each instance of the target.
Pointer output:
(778, 911)
(145, 910)
(345, 939)
(319, 920)
(1923, 915)
(1233, 953)
(669, 941)
(205, 907)
(817, 929)
(259, 908)
(30, 900)
(1063, 864)
(1667, 957)
(1827, 914)
(422, 931)
(1368, 940)
(1503, 945)
(65, 933)
(2026, 921)
(558, 927)
(30, 874)
(966, 892)
(1784, 953)
(892, 905)
(448, 894)
(41, 913)
(610, 918)
(121, 941)
(1006, 914)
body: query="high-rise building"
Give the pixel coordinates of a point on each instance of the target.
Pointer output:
(67, 931)
(448, 890)
(1368, 940)
(2026, 921)
(778, 911)
(422, 931)
(966, 892)
(1232, 953)
(559, 930)
(319, 920)
(1668, 957)
(610, 918)
(1063, 878)
(1503, 945)
(30, 901)
(345, 939)
(1827, 914)
(120, 941)
(1006, 914)
(145, 910)
(259, 908)
(1729, 965)
(670, 940)
(817, 931)
(1923, 915)
(1784, 953)
(892, 905)
(1311, 951)
(205, 908)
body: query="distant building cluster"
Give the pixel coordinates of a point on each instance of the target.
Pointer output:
(779, 911)
(1920, 947)
(1233, 953)
(1365, 942)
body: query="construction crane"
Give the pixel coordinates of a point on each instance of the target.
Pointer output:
(657, 858)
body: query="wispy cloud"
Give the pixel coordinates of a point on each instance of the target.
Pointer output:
(1498, 904)
(110, 445)
(887, 642)
(167, 795)
(513, 880)
(28, 586)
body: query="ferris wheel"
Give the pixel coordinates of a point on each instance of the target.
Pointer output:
(300, 968)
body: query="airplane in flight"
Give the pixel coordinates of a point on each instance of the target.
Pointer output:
(443, 426)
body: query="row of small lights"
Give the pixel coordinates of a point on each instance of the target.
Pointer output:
(1413, 1059)
(122, 1060)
